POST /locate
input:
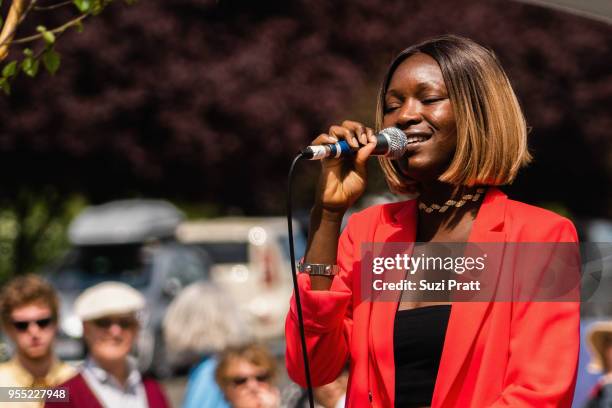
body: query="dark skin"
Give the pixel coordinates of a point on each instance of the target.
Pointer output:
(416, 102)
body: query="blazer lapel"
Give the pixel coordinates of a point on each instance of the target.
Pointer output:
(466, 318)
(401, 228)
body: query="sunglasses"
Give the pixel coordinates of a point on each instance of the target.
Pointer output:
(106, 323)
(239, 380)
(23, 325)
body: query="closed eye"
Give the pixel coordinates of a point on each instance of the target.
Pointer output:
(430, 101)
(389, 109)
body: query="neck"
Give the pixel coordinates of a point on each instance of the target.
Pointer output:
(436, 192)
(433, 223)
(118, 369)
(37, 367)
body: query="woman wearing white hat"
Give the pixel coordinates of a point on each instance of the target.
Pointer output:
(109, 378)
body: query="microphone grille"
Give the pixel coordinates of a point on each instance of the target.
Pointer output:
(397, 142)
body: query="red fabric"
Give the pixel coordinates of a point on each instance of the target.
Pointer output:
(81, 396)
(155, 395)
(496, 354)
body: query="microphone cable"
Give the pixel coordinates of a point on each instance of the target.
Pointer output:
(296, 290)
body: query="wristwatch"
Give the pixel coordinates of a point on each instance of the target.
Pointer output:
(318, 269)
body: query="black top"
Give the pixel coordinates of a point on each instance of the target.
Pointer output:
(418, 338)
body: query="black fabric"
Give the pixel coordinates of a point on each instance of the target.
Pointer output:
(418, 339)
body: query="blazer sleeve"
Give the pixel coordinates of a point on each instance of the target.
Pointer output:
(327, 321)
(544, 346)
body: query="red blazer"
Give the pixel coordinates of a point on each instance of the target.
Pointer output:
(495, 354)
(81, 396)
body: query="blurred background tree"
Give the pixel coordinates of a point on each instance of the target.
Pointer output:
(33, 218)
(208, 101)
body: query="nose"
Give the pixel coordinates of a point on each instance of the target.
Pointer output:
(409, 114)
(115, 329)
(252, 383)
(33, 329)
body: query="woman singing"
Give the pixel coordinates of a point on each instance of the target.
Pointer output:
(466, 136)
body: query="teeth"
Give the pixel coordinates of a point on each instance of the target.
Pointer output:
(414, 139)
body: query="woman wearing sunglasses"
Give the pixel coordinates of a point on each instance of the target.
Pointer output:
(109, 377)
(29, 308)
(246, 374)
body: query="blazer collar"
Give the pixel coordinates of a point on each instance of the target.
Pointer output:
(490, 217)
(399, 224)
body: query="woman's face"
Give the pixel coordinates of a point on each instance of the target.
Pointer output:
(417, 102)
(248, 386)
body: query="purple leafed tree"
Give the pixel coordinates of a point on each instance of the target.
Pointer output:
(209, 100)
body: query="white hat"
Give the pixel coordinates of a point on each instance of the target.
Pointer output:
(108, 298)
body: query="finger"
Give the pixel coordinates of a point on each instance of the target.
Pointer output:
(346, 134)
(359, 129)
(363, 137)
(362, 156)
(324, 138)
(370, 135)
(343, 133)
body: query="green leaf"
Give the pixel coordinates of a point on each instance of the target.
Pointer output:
(52, 60)
(28, 52)
(5, 86)
(10, 69)
(49, 37)
(83, 5)
(30, 66)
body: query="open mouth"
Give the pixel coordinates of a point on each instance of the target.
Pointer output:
(412, 139)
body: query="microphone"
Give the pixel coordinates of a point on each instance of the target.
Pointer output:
(390, 142)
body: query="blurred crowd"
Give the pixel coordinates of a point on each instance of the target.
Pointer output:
(231, 370)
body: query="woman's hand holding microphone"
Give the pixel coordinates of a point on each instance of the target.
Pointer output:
(341, 182)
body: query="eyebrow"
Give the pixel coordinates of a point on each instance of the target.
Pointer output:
(420, 87)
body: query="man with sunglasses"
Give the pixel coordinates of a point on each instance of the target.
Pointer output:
(29, 314)
(109, 377)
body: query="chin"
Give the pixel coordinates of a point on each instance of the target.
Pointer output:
(116, 356)
(113, 353)
(423, 174)
(37, 352)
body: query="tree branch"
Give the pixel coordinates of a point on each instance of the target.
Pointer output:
(53, 6)
(57, 30)
(16, 15)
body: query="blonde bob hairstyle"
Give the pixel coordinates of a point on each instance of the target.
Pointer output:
(491, 128)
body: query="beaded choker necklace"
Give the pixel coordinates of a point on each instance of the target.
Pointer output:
(452, 203)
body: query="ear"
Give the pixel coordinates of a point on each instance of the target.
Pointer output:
(87, 330)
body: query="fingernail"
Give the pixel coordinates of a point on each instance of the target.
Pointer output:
(333, 138)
